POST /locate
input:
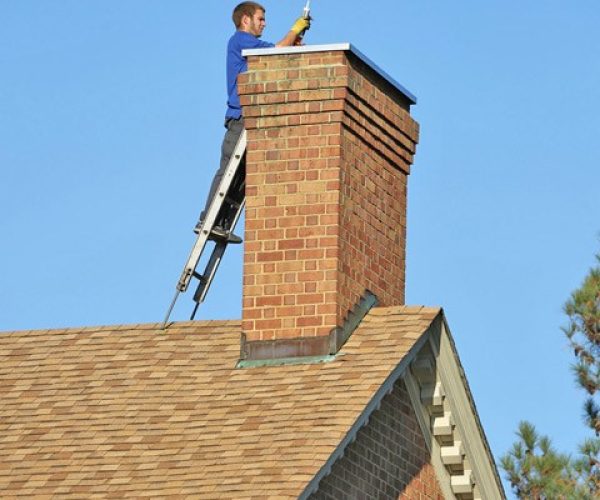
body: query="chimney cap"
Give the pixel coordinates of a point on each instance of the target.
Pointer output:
(346, 47)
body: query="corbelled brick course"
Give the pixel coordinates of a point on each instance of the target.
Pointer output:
(330, 144)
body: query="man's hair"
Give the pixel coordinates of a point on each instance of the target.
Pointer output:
(245, 9)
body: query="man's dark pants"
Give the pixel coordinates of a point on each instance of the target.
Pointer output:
(234, 127)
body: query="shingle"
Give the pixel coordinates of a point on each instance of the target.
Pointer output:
(134, 409)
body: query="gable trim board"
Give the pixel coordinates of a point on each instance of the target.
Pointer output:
(460, 400)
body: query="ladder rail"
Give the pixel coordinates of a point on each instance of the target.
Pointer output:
(189, 270)
(211, 214)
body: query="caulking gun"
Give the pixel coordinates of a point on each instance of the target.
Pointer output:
(306, 15)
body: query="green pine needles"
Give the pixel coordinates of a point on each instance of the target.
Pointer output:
(533, 467)
(537, 471)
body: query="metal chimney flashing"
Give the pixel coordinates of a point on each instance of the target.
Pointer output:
(346, 47)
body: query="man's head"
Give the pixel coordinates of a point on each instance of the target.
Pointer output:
(250, 17)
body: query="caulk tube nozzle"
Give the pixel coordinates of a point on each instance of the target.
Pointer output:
(306, 12)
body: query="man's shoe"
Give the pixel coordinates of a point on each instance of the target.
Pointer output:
(218, 232)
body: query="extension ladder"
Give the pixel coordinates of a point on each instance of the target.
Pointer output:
(230, 199)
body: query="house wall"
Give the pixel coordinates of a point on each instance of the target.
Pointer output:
(388, 460)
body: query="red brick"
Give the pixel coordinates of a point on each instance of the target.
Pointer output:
(269, 256)
(269, 301)
(310, 321)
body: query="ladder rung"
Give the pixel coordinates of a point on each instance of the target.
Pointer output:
(198, 276)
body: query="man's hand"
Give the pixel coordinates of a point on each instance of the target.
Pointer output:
(301, 25)
(294, 35)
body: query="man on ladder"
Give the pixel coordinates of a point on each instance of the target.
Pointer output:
(227, 197)
(249, 20)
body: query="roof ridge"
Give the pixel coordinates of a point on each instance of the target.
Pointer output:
(126, 327)
(405, 309)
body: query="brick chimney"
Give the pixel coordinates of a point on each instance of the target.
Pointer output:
(330, 144)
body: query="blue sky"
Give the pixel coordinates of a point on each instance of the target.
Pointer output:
(110, 125)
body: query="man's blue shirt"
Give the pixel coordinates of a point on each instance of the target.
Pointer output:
(237, 64)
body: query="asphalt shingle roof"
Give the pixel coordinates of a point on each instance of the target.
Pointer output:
(136, 410)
